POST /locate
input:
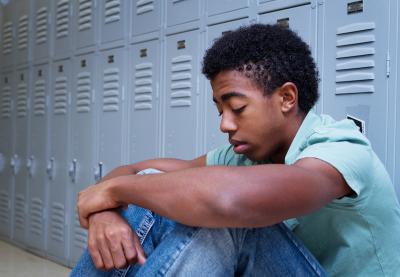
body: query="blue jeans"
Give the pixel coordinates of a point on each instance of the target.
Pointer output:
(173, 249)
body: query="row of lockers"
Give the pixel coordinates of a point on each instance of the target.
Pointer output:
(65, 122)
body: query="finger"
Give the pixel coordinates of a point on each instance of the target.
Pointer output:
(129, 250)
(105, 253)
(94, 253)
(116, 250)
(141, 256)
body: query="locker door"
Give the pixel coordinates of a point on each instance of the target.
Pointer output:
(111, 127)
(82, 144)
(181, 116)
(18, 160)
(57, 164)
(355, 73)
(85, 23)
(8, 43)
(213, 136)
(223, 6)
(41, 30)
(146, 16)
(297, 19)
(144, 124)
(23, 26)
(6, 148)
(113, 20)
(37, 158)
(62, 29)
(182, 11)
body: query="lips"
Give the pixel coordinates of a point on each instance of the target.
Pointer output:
(239, 147)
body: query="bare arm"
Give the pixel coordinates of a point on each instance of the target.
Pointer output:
(162, 164)
(223, 196)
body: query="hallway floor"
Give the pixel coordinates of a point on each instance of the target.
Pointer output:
(15, 262)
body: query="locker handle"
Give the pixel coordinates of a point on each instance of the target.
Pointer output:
(50, 168)
(2, 162)
(98, 175)
(30, 165)
(72, 170)
(15, 164)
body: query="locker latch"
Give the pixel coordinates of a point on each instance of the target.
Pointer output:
(98, 175)
(50, 168)
(143, 52)
(15, 164)
(30, 165)
(181, 44)
(283, 22)
(2, 162)
(72, 170)
(355, 7)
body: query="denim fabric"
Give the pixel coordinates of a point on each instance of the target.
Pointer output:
(174, 249)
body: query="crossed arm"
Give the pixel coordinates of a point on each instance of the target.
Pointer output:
(221, 196)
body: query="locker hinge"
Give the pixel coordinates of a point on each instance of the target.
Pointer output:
(387, 64)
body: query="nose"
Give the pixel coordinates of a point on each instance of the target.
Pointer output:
(227, 124)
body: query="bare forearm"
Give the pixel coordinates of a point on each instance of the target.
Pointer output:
(162, 164)
(225, 196)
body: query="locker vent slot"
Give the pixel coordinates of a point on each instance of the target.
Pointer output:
(60, 96)
(39, 100)
(41, 25)
(20, 212)
(84, 92)
(143, 86)
(85, 15)
(6, 102)
(112, 11)
(62, 19)
(22, 100)
(4, 207)
(7, 37)
(80, 235)
(57, 231)
(36, 220)
(144, 6)
(111, 90)
(355, 54)
(23, 32)
(181, 84)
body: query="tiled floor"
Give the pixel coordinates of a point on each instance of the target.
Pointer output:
(15, 262)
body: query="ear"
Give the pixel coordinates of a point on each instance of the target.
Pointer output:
(289, 97)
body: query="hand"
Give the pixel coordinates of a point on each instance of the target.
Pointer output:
(112, 243)
(94, 199)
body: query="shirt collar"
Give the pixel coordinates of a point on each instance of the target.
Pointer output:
(306, 129)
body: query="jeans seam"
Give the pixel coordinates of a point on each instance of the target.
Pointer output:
(310, 261)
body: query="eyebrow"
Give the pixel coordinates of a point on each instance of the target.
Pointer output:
(229, 95)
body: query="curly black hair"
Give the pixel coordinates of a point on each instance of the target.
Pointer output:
(269, 55)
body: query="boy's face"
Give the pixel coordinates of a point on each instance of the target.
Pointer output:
(256, 124)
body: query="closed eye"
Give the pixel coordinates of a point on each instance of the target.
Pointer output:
(239, 110)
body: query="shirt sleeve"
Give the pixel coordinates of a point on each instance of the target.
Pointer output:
(352, 158)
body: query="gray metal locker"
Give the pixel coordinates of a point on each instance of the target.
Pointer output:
(37, 158)
(57, 165)
(6, 148)
(213, 136)
(182, 11)
(146, 16)
(8, 33)
(41, 30)
(144, 121)
(111, 111)
(19, 158)
(82, 135)
(181, 123)
(114, 19)
(62, 31)
(355, 72)
(22, 27)
(223, 6)
(298, 19)
(85, 23)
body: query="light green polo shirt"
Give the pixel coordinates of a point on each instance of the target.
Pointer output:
(351, 236)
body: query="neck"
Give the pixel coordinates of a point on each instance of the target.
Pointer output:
(292, 128)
